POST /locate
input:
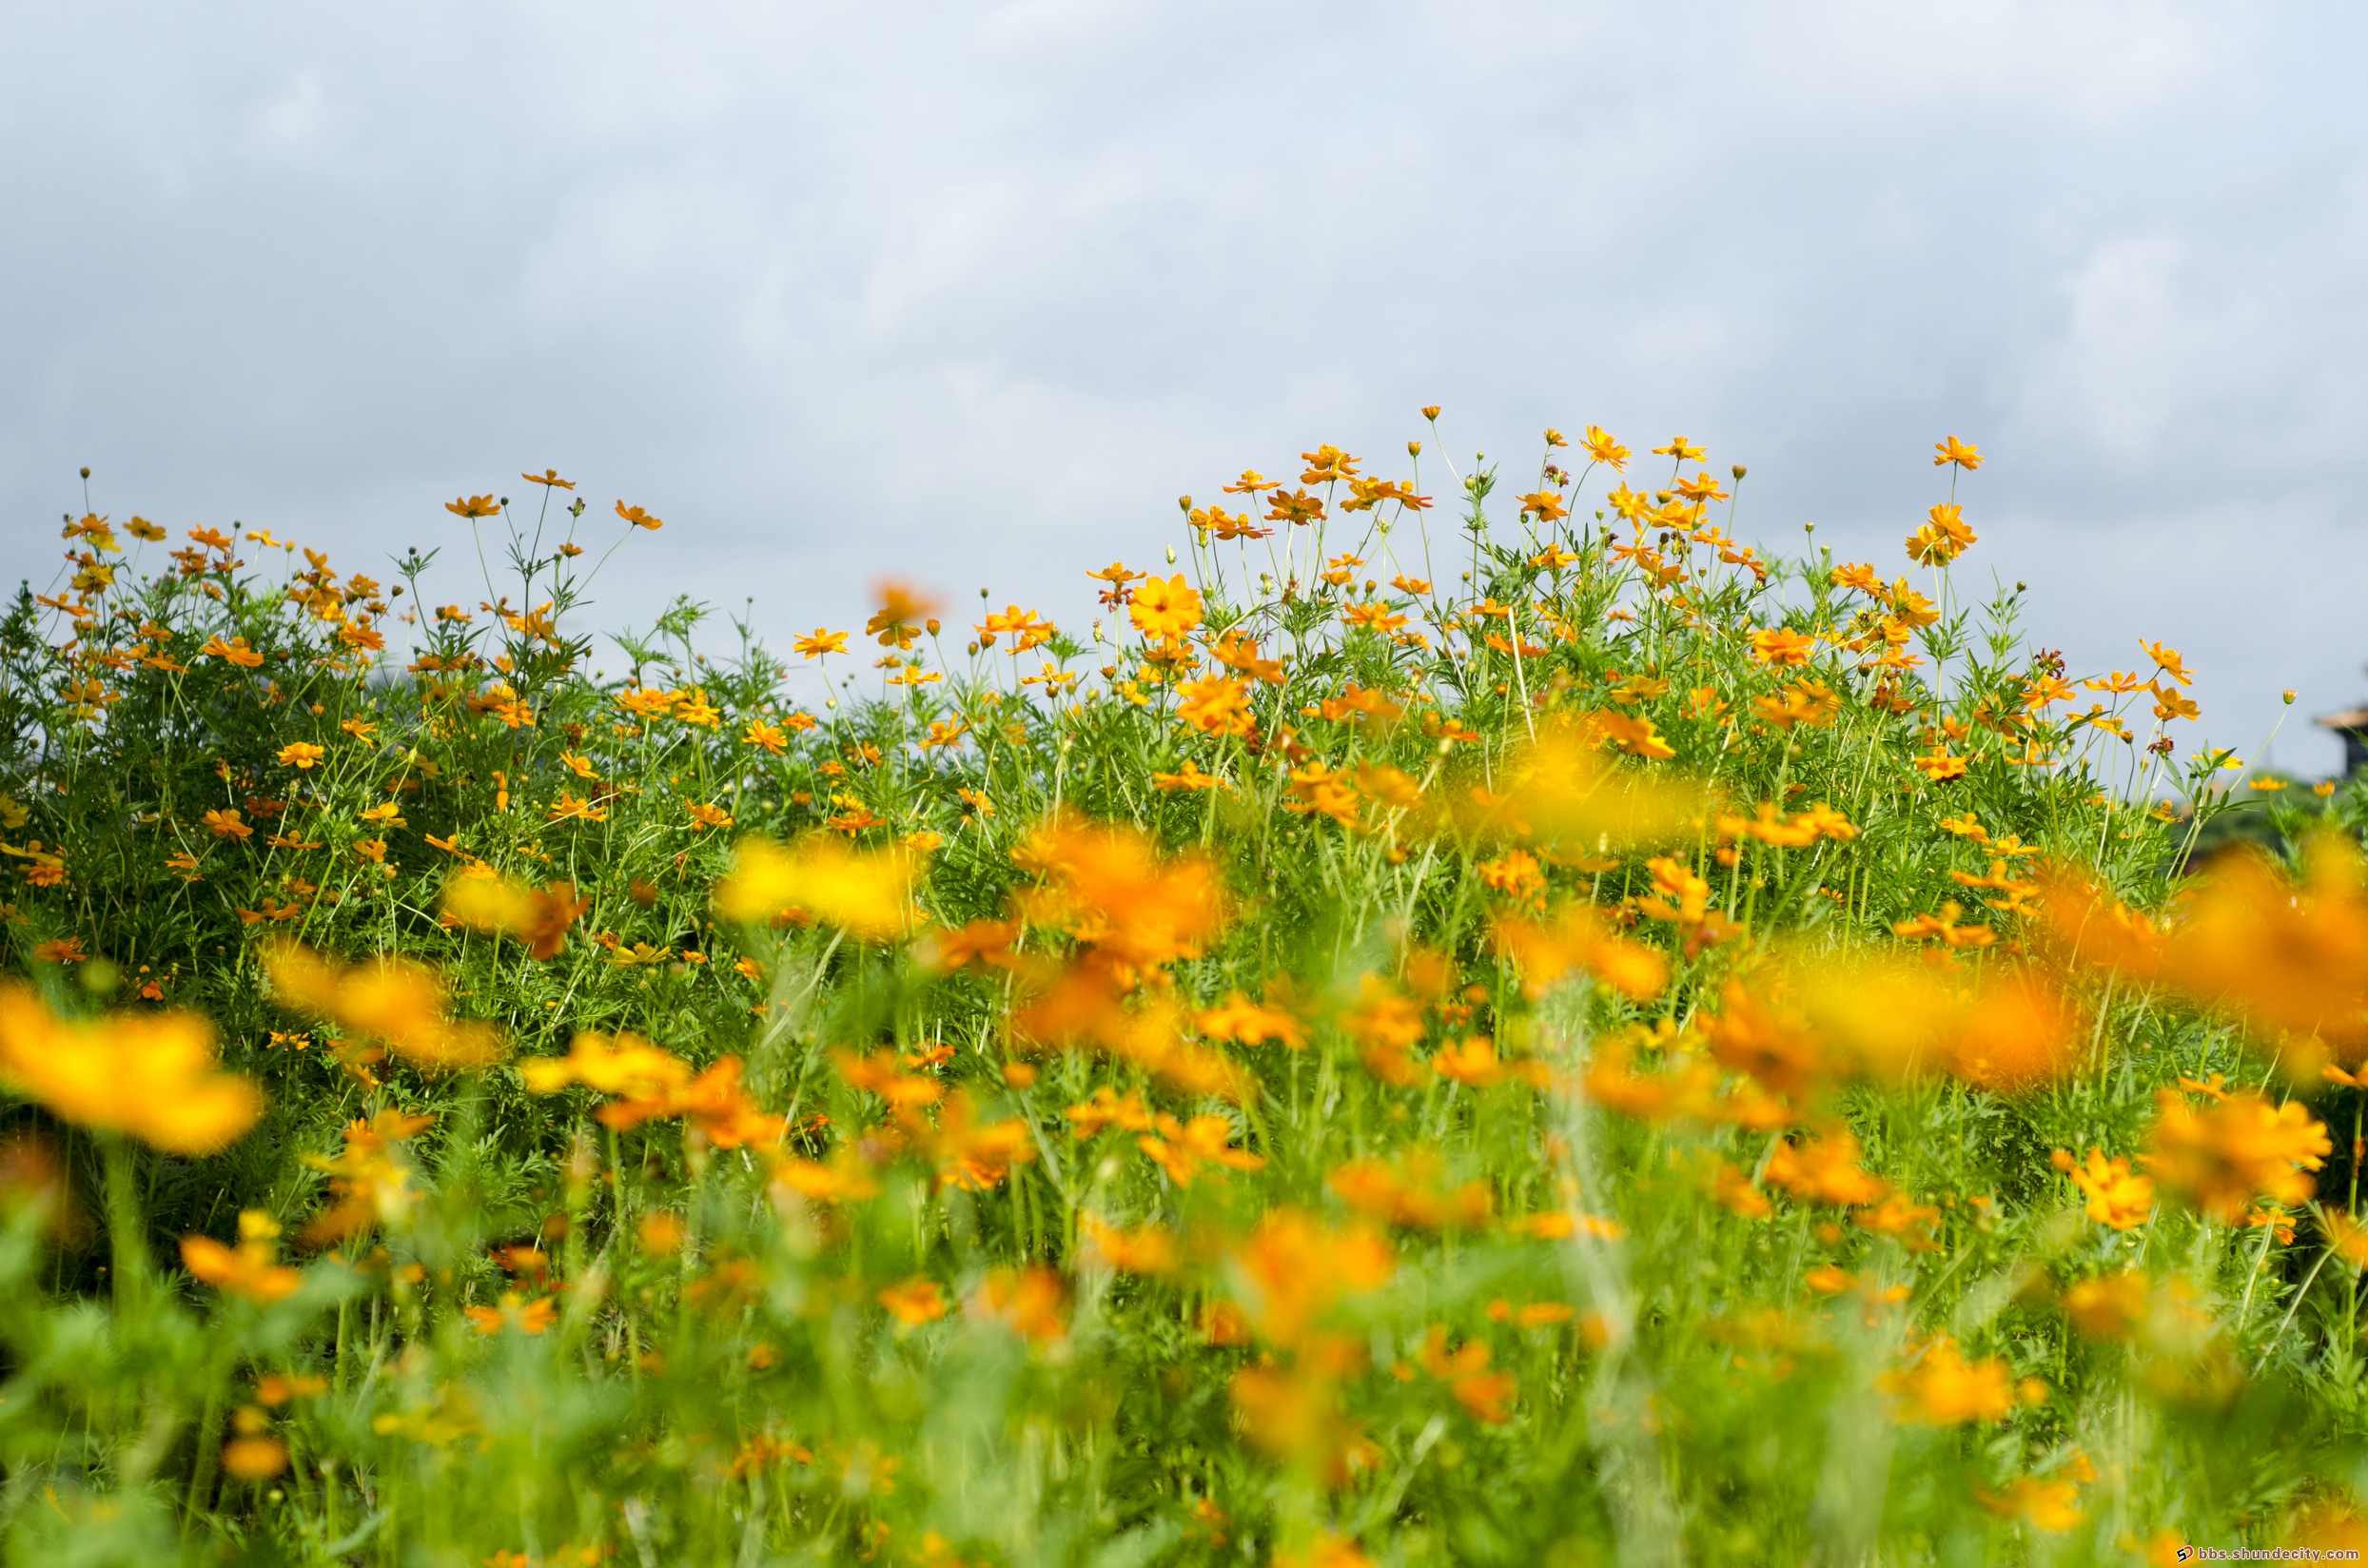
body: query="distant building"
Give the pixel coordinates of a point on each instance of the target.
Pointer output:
(2353, 727)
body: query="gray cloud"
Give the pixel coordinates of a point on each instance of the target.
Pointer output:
(973, 292)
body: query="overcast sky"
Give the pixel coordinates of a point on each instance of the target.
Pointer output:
(972, 292)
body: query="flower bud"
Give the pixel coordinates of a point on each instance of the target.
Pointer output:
(2289, 697)
(1431, 411)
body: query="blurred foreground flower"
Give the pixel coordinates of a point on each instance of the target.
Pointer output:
(2238, 1148)
(491, 902)
(152, 1075)
(867, 892)
(389, 999)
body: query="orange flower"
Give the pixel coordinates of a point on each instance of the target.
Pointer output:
(1602, 448)
(514, 1311)
(1577, 941)
(717, 1109)
(1943, 537)
(1216, 705)
(1482, 1394)
(151, 1075)
(2292, 958)
(2049, 1506)
(639, 517)
(1824, 1171)
(472, 507)
(227, 824)
(1181, 1149)
(1409, 1193)
(248, 1272)
(1294, 1414)
(1515, 873)
(1251, 1023)
(915, 1301)
(902, 609)
(1145, 1250)
(969, 1154)
(1106, 1110)
(1635, 734)
(1327, 1551)
(2115, 1196)
(1031, 1303)
(1105, 885)
(300, 753)
(495, 903)
(819, 643)
(1292, 1270)
(845, 1179)
(1781, 646)
(2239, 1148)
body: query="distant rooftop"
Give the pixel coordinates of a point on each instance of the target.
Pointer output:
(2352, 724)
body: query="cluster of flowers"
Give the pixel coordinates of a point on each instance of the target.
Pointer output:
(1336, 1032)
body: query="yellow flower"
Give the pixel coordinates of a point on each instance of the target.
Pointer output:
(387, 999)
(369, 1186)
(631, 1067)
(1942, 1388)
(472, 507)
(154, 1076)
(869, 893)
(1635, 734)
(236, 651)
(1164, 609)
(2109, 1305)
(1781, 646)
(1218, 705)
(1953, 450)
(300, 753)
(540, 919)
(2050, 1506)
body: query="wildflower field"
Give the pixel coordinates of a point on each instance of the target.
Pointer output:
(1524, 1030)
